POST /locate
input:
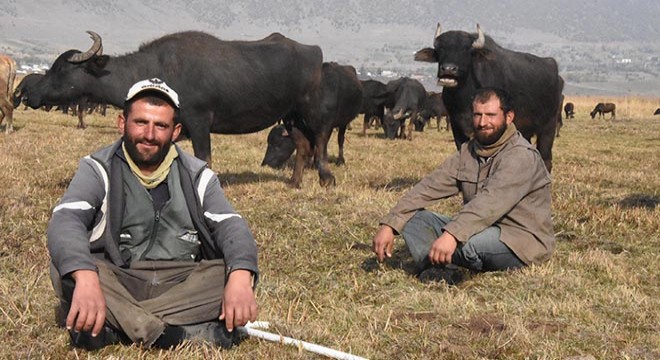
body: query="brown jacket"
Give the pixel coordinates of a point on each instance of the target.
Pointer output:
(510, 190)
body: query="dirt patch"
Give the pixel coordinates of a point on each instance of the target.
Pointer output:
(483, 324)
(419, 316)
(543, 327)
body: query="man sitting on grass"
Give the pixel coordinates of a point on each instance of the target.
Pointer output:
(505, 222)
(145, 247)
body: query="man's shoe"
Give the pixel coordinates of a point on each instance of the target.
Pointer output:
(84, 339)
(450, 275)
(214, 332)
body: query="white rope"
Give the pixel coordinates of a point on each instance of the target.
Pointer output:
(251, 330)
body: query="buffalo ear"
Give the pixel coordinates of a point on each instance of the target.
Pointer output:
(96, 65)
(426, 55)
(101, 61)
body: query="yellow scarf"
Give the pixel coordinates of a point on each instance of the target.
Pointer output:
(156, 177)
(490, 150)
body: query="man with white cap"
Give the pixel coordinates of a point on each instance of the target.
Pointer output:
(145, 247)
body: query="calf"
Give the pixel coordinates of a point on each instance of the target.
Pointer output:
(569, 110)
(433, 107)
(408, 97)
(341, 96)
(374, 99)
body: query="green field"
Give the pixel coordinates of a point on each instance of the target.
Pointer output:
(598, 296)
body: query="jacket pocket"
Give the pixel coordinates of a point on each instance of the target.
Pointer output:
(187, 246)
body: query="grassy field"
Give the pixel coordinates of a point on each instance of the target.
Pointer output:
(598, 296)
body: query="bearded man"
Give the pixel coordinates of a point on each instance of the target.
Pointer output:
(145, 247)
(505, 221)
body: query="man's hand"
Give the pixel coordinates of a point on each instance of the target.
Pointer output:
(238, 303)
(87, 304)
(442, 249)
(383, 242)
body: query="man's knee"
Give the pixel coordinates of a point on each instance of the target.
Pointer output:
(420, 232)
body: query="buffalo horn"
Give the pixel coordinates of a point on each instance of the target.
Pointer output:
(96, 49)
(481, 39)
(438, 31)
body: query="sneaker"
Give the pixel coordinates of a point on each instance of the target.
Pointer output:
(450, 275)
(85, 340)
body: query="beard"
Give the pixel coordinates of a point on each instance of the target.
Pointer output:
(142, 159)
(485, 138)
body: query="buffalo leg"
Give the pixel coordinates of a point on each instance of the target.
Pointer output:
(303, 153)
(367, 124)
(321, 154)
(82, 105)
(341, 134)
(200, 136)
(544, 142)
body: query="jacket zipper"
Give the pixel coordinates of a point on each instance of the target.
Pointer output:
(154, 234)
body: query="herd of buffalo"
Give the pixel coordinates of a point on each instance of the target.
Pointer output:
(238, 87)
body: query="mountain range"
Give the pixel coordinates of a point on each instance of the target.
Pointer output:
(603, 46)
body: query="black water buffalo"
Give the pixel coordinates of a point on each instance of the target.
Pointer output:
(407, 97)
(7, 77)
(341, 97)
(374, 99)
(603, 108)
(433, 107)
(657, 111)
(23, 89)
(225, 87)
(569, 110)
(469, 61)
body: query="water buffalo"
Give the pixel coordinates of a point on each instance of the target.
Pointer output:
(569, 110)
(374, 99)
(341, 97)
(7, 76)
(22, 90)
(407, 98)
(467, 61)
(225, 87)
(603, 108)
(433, 107)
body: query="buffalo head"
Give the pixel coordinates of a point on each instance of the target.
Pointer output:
(280, 147)
(453, 52)
(71, 73)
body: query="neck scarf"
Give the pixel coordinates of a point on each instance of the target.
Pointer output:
(157, 176)
(490, 150)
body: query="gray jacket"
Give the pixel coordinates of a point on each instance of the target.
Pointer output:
(88, 220)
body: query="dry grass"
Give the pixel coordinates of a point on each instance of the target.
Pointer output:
(598, 296)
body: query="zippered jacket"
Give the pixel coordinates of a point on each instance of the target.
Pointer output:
(510, 190)
(87, 222)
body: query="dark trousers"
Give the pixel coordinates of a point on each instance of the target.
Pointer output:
(482, 252)
(143, 299)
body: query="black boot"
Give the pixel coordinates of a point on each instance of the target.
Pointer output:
(84, 339)
(213, 331)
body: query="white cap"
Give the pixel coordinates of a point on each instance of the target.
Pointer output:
(154, 84)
